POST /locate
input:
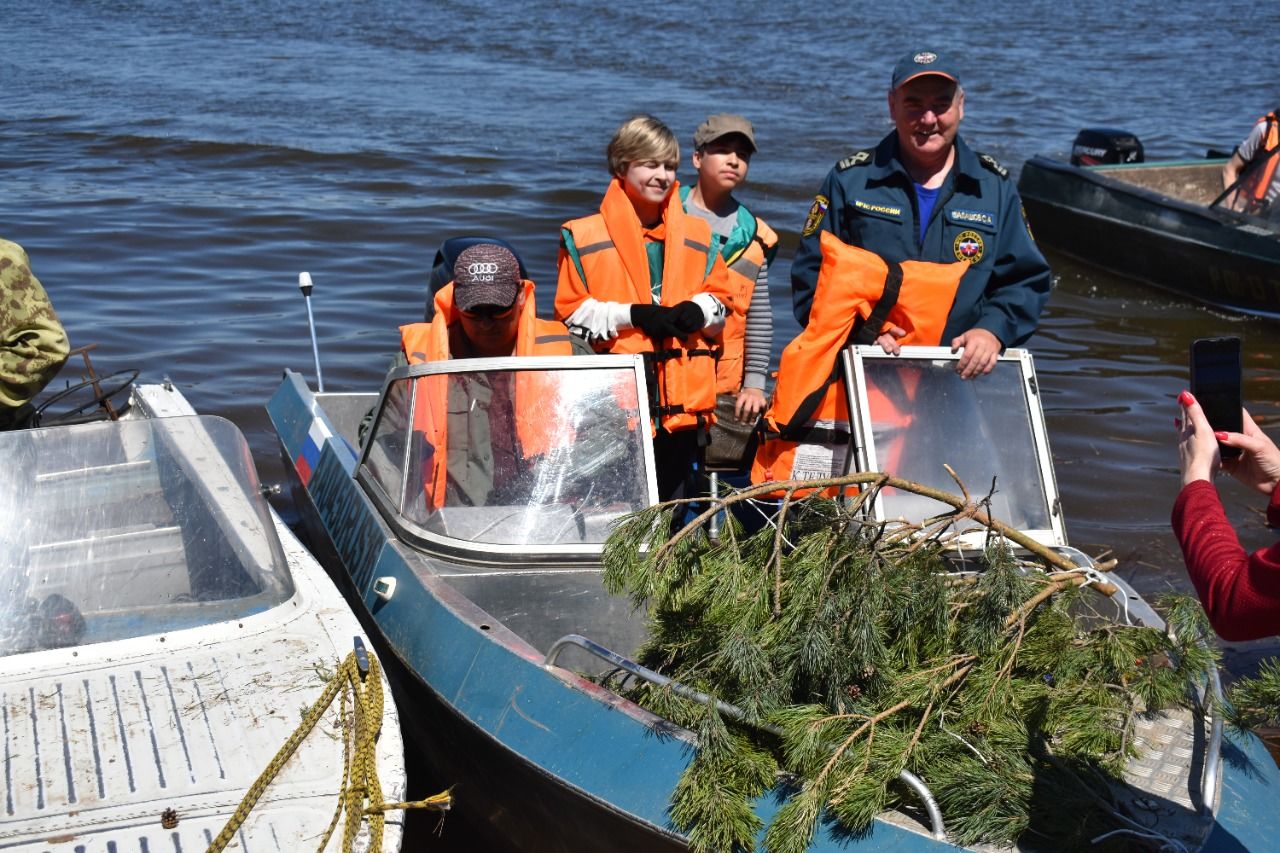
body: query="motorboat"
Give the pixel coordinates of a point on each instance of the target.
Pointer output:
(162, 632)
(482, 580)
(1156, 222)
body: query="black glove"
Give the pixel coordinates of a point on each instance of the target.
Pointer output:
(659, 321)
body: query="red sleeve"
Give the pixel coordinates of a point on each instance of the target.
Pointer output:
(1240, 592)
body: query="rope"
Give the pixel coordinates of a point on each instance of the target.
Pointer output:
(359, 678)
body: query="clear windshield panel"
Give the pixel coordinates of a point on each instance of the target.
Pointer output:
(130, 528)
(522, 457)
(924, 417)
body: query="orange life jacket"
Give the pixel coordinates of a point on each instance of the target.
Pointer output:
(858, 295)
(744, 268)
(610, 247)
(1256, 185)
(424, 342)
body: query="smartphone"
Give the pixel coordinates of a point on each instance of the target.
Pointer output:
(1215, 382)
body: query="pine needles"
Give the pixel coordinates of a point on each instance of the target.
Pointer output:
(854, 655)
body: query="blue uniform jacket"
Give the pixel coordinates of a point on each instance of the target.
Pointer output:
(867, 200)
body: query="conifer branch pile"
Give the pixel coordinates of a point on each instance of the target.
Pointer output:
(855, 652)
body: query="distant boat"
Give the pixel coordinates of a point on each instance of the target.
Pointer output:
(161, 630)
(1152, 221)
(487, 593)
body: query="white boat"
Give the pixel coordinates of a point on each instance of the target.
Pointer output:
(161, 633)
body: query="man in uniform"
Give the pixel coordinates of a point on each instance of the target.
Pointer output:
(922, 194)
(33, 344)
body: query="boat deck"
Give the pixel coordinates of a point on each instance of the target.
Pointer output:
(1196, 182)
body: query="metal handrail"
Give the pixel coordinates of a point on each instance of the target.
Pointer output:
(1212, 759)
(732, 711)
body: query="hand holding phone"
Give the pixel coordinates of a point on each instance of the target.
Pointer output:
(1215, 382)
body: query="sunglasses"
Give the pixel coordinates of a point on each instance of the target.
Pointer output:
(489, 312)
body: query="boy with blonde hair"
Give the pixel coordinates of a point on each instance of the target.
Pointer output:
(641, 276)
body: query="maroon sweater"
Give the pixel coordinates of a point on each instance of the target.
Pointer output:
(1240, 592)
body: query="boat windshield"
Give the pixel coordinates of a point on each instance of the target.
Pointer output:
(919, 418)
(512, 455)
(131, 528)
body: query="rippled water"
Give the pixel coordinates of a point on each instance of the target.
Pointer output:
(172, 166)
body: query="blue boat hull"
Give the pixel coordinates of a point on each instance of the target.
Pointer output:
(542, 758)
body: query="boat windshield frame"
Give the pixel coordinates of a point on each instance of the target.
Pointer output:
(133, 528)
(416, 535)
(855, 360)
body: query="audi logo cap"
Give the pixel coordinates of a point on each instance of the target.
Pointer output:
(485, 274)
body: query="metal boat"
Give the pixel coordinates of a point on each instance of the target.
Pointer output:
(161, 630)
(488, 592)
(1155, 222)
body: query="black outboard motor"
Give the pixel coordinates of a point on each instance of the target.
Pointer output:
(447, 255)
(1095, 146)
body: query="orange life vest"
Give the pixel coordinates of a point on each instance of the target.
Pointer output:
(424, 342)
(615, 268)
(744, 268)
(858, 295)
(1256, 185)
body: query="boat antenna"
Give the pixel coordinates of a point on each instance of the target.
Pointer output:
(304, 284)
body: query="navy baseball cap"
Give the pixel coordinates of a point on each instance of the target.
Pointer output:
(918, 63)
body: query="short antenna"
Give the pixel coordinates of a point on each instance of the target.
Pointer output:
(304, 284)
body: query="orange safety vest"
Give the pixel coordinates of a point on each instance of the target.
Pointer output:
(744, 268)
(615, 268)
(1256, 185)
(424, 342)
(858, 295)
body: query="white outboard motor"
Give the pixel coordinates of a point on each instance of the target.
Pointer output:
(1095, 146)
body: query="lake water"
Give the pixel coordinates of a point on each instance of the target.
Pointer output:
(171, 167)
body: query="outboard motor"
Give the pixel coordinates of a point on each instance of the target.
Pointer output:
(1095, 146)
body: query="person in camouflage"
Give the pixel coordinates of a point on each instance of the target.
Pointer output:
(33, 344)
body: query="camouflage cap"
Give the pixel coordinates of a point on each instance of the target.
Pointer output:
(723, 124)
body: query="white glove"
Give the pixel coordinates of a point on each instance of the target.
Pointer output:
(599, 321)
(713, 312)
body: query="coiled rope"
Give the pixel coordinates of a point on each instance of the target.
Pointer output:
(359, 678)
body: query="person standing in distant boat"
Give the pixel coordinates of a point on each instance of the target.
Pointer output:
(723, 147)
(1252, 174)
(33, 344)
(922, 194)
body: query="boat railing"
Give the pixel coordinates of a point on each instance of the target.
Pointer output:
(732, 711)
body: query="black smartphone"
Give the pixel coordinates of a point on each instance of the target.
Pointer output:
(1215, 382)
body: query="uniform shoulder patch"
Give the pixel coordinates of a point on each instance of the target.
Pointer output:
(993, 164)
(861, 158)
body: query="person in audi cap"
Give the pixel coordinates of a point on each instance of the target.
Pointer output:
(480, 449)
(922, 194)
(487, 311)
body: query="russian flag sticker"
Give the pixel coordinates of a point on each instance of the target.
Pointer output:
(311, 447)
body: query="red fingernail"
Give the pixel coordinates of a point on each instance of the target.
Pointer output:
(1221, 436)
(1185, 398)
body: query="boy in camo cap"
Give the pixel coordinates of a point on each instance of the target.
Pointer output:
(33, 344)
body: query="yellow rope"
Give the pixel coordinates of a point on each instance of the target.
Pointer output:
(361, 794)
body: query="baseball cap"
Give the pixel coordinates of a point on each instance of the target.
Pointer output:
(920, 62)
(485, 274)
(723, 124)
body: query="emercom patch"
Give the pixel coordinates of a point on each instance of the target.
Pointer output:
(817, 211)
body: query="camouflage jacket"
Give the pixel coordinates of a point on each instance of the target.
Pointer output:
(33, 344)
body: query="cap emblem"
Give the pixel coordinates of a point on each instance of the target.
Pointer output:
(483, 270)
(924, 58)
